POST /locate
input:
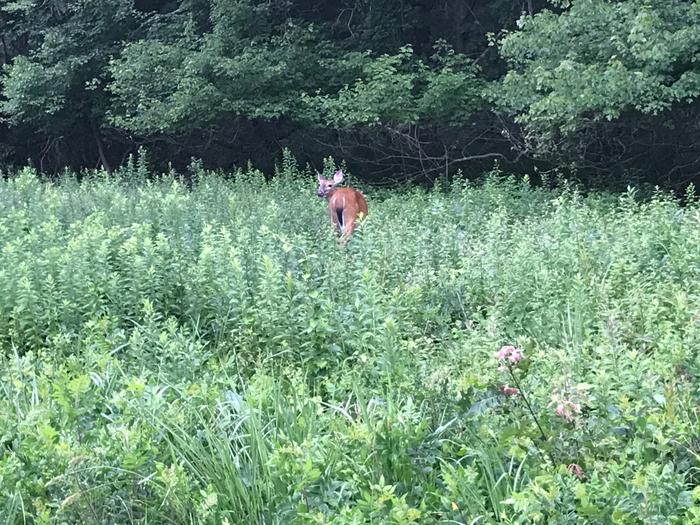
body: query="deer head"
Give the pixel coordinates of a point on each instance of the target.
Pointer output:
(325, 186)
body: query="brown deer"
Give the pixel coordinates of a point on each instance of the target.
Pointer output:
(345, 205)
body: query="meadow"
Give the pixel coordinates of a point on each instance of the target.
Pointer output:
(201, 350)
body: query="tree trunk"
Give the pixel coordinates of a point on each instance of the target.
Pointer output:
(100, 147)
(5, 54)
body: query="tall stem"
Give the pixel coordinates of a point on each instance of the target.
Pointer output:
(100, 146)
(529, 408)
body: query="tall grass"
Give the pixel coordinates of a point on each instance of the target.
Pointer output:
(201, 350)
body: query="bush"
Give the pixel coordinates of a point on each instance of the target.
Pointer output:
(203, 351)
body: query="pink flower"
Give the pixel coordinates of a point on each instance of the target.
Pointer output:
(567, 409)
(503, 353)
(509, 353)
(565, 406)
(516, 355)
(575, 470)
(509, 390)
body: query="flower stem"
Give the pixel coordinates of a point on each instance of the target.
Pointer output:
(529, 408)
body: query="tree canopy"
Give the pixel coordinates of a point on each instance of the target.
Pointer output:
(400, 89)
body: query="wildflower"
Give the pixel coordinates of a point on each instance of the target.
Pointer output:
(503, 353)
(510, 354)
(509, 390)
(575, 470)
(515, 356)
(565, 408)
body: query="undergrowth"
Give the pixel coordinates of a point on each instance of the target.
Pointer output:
(202, 350)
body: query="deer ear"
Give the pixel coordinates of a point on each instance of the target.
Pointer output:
(338, 177)
(319, 177)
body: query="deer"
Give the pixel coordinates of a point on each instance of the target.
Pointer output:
(345, 205)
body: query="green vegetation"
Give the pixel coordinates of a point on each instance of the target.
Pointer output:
(606, 90)
(209, 354)
(195, 346)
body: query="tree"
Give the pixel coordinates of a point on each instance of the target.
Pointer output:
(399, 88)
(55, 87)
(607, 84)
(232, 80)
(299, 68)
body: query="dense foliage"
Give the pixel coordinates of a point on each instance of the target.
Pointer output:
(626, 79)
(399, 88)
(211, 355)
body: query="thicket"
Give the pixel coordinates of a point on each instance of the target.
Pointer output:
(209, 354)
(604, 90)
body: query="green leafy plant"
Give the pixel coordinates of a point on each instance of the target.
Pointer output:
(209, 354)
